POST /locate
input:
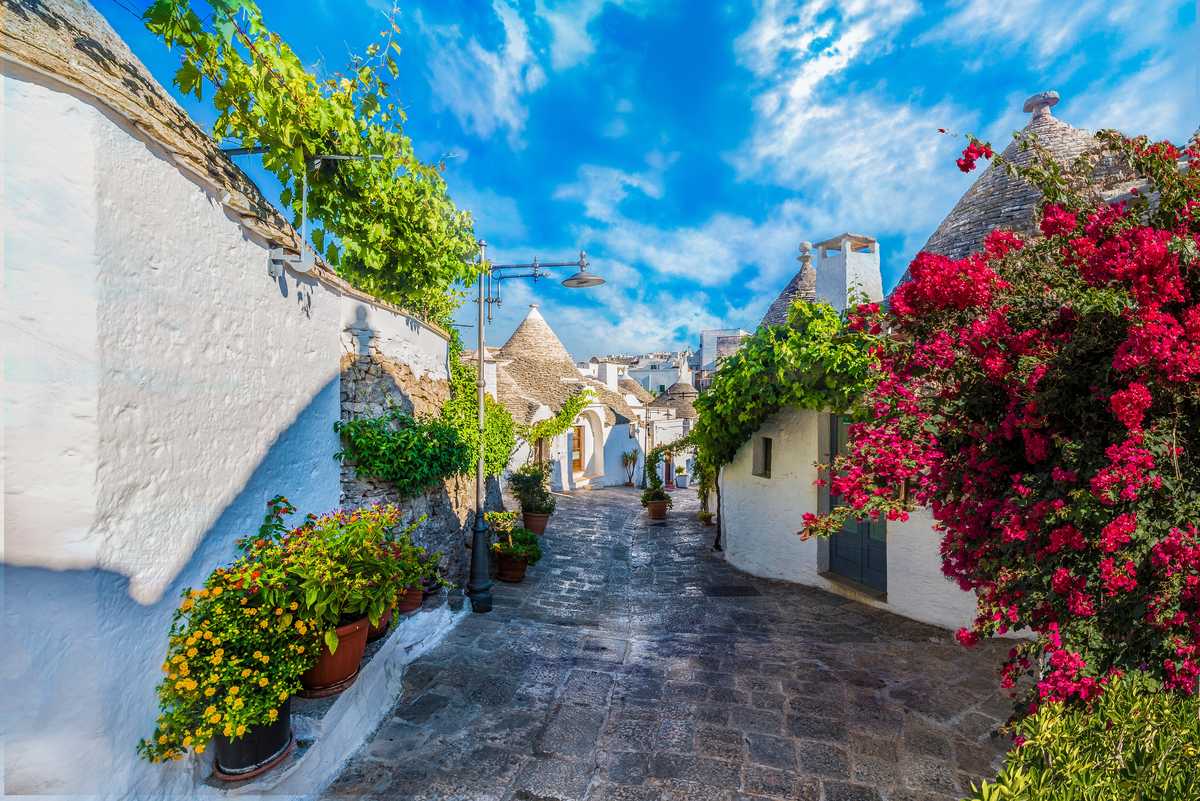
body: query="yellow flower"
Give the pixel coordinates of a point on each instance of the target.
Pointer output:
(258, 654)
(239, 703)
(272, 714)
(208, 635)
(162, 739)
(228, 730)
(278, 611)
(300, 650)
(293, 606)
(200, 748)
(210, 711)
(245, 672)
(210, 691)
(187, 742)
(216, 718)
(216, 591)
(265, 659)
(241, 729)
(234, 690)
(175, 660)
(191, 652)
(283, 695)
(262, 624)
(263, 682)
(187, 604)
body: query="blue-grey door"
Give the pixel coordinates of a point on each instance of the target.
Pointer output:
(859, 550)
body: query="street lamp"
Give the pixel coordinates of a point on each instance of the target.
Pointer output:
(479, 584)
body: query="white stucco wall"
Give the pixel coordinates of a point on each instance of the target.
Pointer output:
(762, 515)
(159, 387)
(616, 444)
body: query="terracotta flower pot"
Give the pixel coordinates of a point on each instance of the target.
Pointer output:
(334, 672)
(510, 568)
(257, 751)
(385, 622)
(535, 521)
(657, 510)
(410, 601)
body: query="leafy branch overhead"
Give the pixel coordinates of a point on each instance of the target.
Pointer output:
(386, 224)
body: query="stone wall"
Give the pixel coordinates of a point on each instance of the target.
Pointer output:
(371, 385)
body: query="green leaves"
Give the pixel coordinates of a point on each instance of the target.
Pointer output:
(391, 227)
(331, 640)
(1135, 742)
(812, 362)
(411, 453)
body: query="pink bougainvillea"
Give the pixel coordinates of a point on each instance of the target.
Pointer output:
(1040, 397)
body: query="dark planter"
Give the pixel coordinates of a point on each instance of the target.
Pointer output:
(535, 521)
(255, 752)
(385, 622)
(334, 672)
(410, 601)
(510, 568)
(657, 510)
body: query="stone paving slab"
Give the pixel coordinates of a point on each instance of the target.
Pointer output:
(615, 673)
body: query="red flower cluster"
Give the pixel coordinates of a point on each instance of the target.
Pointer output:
(1040, 398)
(972, 153)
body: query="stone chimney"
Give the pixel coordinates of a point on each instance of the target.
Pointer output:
(848, 264)
(609, 374)
(1039, 105)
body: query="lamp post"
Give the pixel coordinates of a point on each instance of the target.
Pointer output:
(479, 584)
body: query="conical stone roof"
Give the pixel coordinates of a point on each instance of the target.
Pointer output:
(803, 286)
(1000, 200)
(681, 397)
(536, 369)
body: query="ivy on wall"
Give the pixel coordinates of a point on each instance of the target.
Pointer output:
(462, 409)
(817, 360)
(386, 223)
(551, 427)
(411, 453)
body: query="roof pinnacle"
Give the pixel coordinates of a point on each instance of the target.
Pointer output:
(1039, 104)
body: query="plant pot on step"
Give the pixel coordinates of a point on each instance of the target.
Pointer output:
(257, 751)
(410, 601)
(535, 521)
(657, 510)
(334, 672)
(385, 622)
(510, 568)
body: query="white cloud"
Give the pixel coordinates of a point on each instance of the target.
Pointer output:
(601, 189)
(1161, 100)
(485, 89)
(568, 20)
(1048, 29)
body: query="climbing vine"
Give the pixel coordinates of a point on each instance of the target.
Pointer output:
(411, 453)
(560, 422)
(462, 409)
(817, 360)
(385, 223)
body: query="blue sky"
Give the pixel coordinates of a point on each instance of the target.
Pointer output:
(689, 146)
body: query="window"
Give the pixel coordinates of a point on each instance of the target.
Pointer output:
(762, 457)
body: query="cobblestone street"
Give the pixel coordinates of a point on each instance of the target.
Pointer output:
(633, 665)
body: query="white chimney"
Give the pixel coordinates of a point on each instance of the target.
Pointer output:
(848, 265)
(608, 372)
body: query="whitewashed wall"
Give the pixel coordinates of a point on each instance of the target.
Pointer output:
(616, 444)
(762, 515)
(159, 387)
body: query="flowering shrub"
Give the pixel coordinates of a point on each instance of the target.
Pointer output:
(233, 658)
(338, 567)
(1041, 398)
(1136, 742)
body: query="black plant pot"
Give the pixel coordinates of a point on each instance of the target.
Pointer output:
(256, 752)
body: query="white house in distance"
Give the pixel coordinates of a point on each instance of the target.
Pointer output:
(657, 371)
(770, 483)
(715, 344)
(533, 375)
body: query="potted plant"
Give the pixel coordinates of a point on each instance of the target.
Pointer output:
(657, 501)
(681, 479)
(531, 484)
(629, 461)
(233, 662)
(706, 517)
(515, 548)
(433, 579)
(341, 571)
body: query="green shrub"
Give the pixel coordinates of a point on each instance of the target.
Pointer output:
(1134, 743)
(656, 493)
(531, 484)
(411, 453)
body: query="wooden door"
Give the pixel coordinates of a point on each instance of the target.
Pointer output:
(859, 550)
(577, 449)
